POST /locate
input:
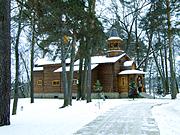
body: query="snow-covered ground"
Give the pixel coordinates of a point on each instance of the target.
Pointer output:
(167, 116)
(45, 118)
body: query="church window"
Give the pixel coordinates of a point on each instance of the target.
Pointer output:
(75, 81)
(116, 46)
(39, 82)
(55, 83)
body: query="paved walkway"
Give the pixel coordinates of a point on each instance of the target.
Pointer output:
(134, 119)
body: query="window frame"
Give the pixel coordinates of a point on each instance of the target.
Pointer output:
(75, 81)
(39, 82)
(55, 83)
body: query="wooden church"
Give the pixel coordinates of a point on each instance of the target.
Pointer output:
(115, 71)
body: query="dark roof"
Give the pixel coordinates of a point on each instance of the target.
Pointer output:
(114, 33)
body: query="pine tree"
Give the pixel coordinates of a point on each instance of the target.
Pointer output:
(173, 87)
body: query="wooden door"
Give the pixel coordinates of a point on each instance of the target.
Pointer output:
(123, 84)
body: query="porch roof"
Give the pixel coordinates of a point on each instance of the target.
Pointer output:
(126, 72)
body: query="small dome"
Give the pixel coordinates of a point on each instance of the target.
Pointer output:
(114, 33)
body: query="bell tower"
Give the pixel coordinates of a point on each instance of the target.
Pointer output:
(114, 44)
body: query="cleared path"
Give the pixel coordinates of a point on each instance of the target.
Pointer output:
(133, 119)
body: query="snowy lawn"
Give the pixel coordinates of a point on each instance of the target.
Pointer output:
(45, 118)
(167, 116)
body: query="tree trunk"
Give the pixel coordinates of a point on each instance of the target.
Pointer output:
(166, 91)
(145, 60)
(82, 71)
(171, 64)
(84, 84)
(163, 78)
(27, 73)
(136, 34)
(89, 80)
(32, 57)
(89, 47)
(79, 91)
(71, 72)
(64, 77)
(157, 64)
(16, 95)
(150, 79)
(5, 62)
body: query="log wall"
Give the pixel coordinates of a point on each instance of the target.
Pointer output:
(106, 73)
(51, 79)
(38, 81)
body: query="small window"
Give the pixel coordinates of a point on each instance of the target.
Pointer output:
(39, 82)
(111, 46)
(55, 83)
(123, 81)
(116, 46)
(75, 81)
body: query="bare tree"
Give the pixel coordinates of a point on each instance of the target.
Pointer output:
(17, 74)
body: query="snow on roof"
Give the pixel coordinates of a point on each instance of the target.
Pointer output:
(38, 69)
(126, 72)
(115, 51)
(128, 63)
(103, 59)
(76, 68)
(45, 61)
(114, 38)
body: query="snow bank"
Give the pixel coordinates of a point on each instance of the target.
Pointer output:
(167, 116)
